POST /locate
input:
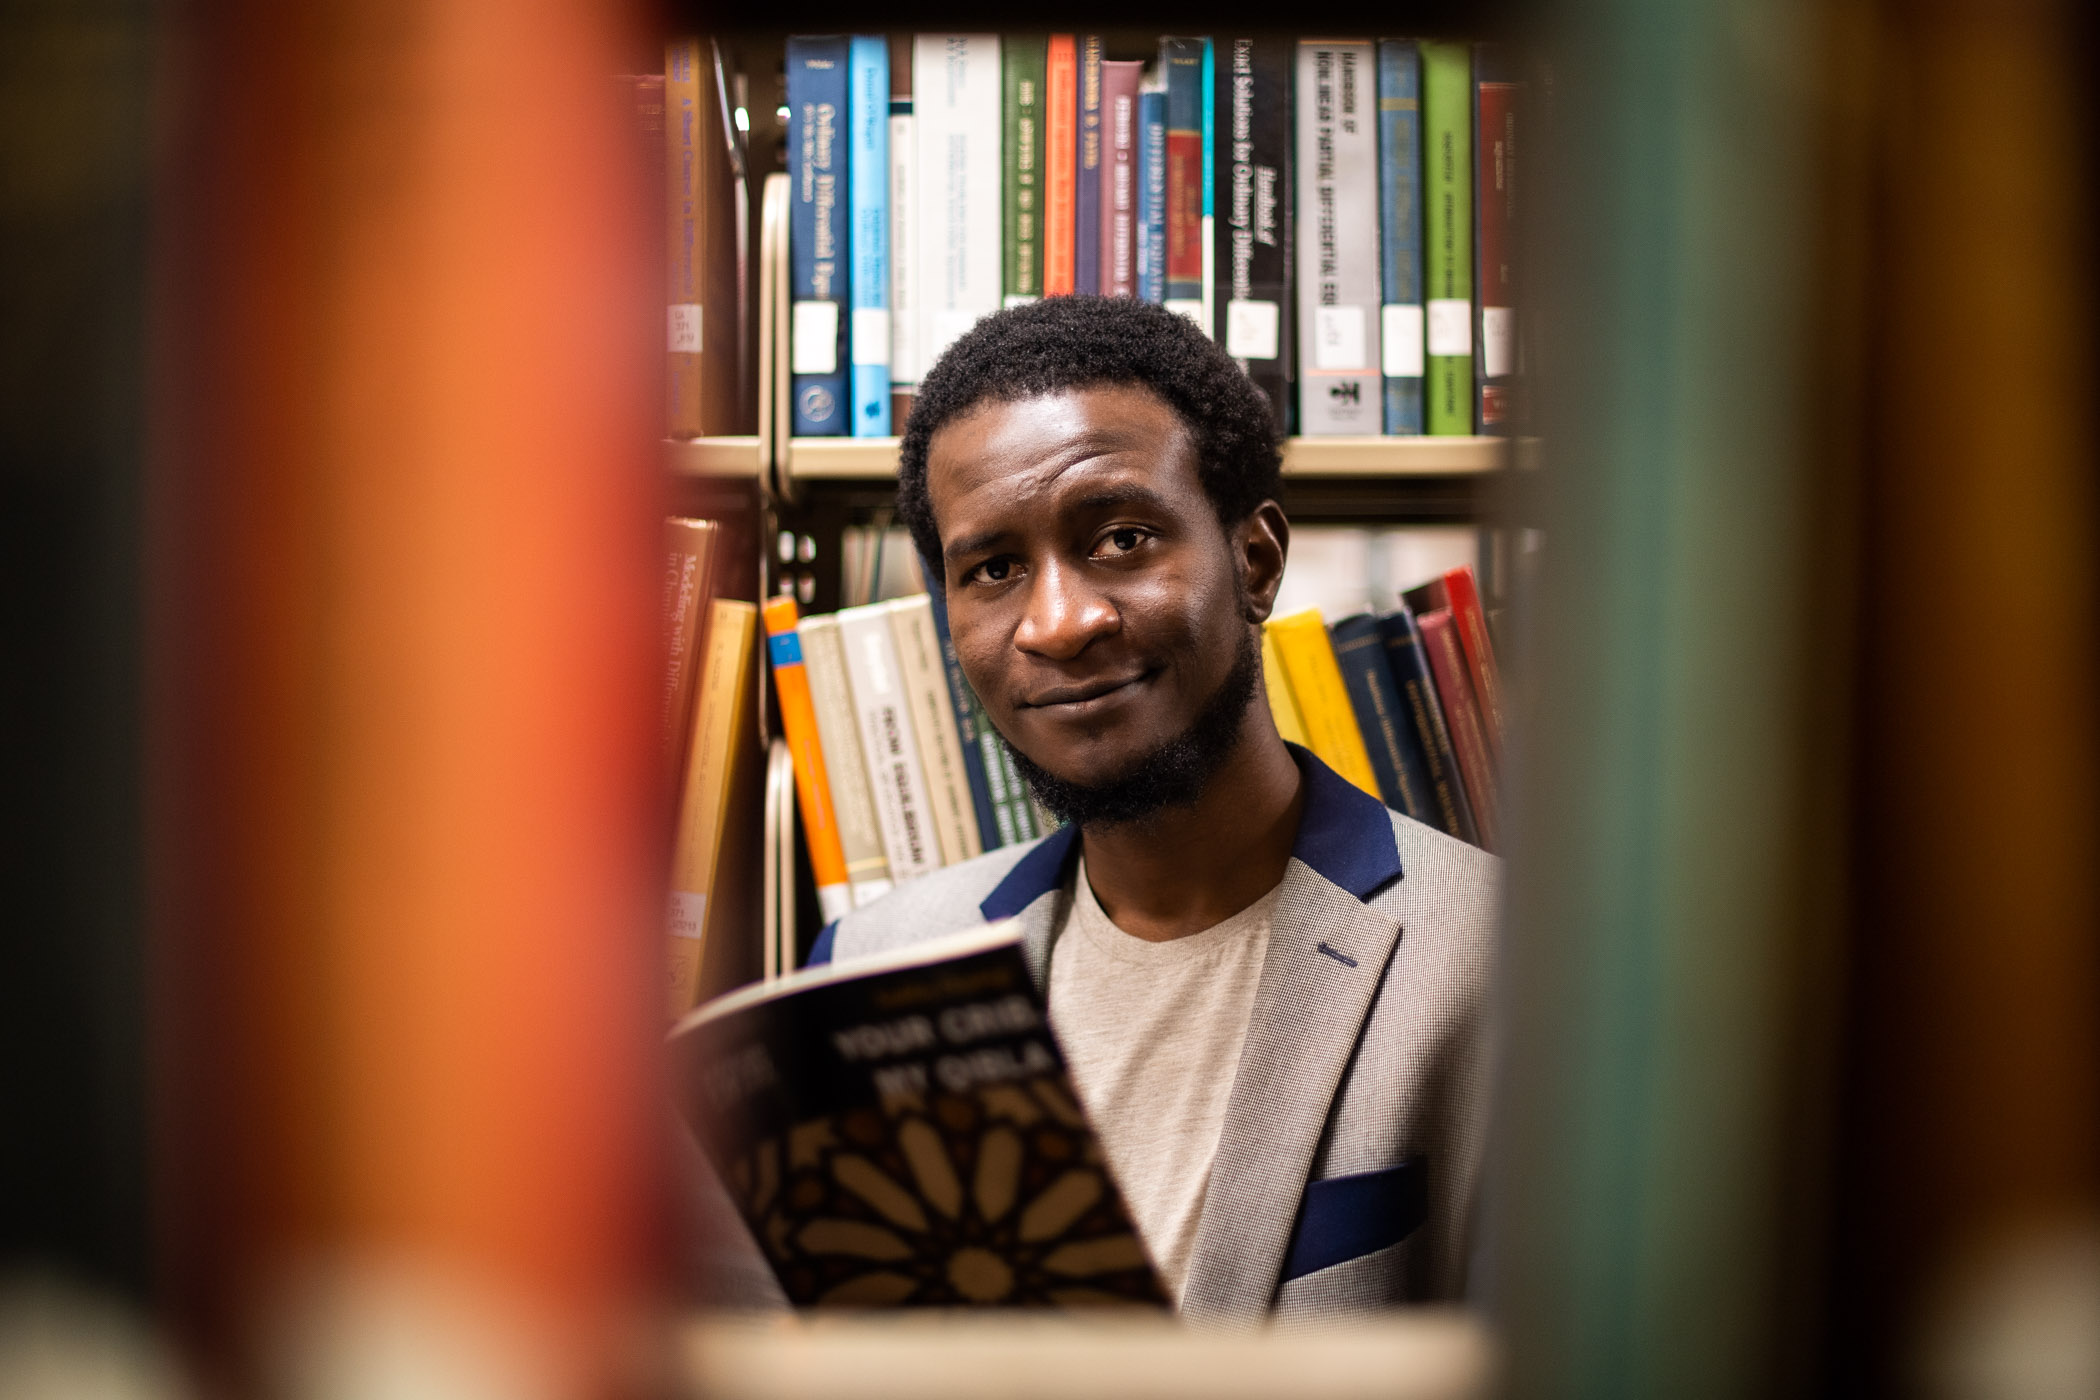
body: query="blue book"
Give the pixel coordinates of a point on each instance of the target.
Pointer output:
(1181, 69)
(1086, 199)
(817, 234)
(1409, 665)
(868, 186)
(1210, 188)
(1152, 196)
(1400, 232)
(1389, 732)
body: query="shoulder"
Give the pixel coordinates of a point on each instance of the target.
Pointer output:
(1442, 870)
(932, 906)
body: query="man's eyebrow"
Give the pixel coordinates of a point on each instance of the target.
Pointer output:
(972, 544)
(1119, 494)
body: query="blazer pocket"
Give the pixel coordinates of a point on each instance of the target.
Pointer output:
(1346, 1217)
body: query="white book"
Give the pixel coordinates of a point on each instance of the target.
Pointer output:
(956, 116)
(904, 226)
(1340, 384)
(933, 724)
(903, 810)
(838, 731)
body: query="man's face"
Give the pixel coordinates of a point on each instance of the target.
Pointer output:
(1095, 602)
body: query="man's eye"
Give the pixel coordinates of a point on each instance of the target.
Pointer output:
(994, 570)
(1121, 541)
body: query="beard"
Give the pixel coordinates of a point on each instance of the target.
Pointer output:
(1172, 775)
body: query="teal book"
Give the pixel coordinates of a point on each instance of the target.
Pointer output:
(868, 190)
(1400, 232)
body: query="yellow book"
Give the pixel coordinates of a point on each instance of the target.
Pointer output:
(1283, 706)
(1324, 710)
(721, 733)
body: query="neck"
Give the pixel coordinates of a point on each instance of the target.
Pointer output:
(1186, 869)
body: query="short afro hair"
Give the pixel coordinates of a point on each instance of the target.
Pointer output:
(1076, 342)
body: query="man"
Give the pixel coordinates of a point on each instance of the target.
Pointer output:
(1269, 987)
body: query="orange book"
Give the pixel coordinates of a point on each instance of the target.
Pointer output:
(798, 718)
(1060, 166)
(718, 761)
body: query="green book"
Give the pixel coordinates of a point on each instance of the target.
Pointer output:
(1022, 59)
(1447, 236)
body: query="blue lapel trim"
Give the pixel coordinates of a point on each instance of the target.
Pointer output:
(1345, 836)
(1033, 876)
(1347, 1217)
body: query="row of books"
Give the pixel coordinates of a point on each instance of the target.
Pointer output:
(1336, 213)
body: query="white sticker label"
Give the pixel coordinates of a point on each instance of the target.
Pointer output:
(871, 335)
(1400, 341)
(1498, 340)
(688, 914)
(685, 328)
(1451, 326)
(1191, 307)
(1338, 337)
(1014, 299)
(1251, 329)
(815, 338)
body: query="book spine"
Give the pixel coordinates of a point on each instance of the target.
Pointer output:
(1119, 94)
(1396, 759)
(904, 225)
(903, 809)
(1023, 60)
(1276, 684)
(817, 234)
(1323, 700)
(1207, 237)
(684, 130)
(798, 723)
(838, 733)
(703, 813)
(1060, 162)
(994, 829)
(1469, 619)
(1339, 386)
(933, 726)
(868, 186)
(1462, 715)
(1409, 663)
(1447, 237)
(956, 109)
(1400, 231)
(1255, 226)
(1181, 69)
(688, 586)
(1152, 195)
(1086, 195)
(1496, 100)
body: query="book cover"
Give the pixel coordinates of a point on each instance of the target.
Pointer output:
(838, 735)
(1381, 717)
(1476, 765)
(700, 244)
(1060, 163)
(1496, 99)
(1181, 70)
(1409, 664)
(1339, 385)
(817, 235)
(1307, 654)
(798, 724)
(1119, 94)
(955, 108)
(896, 775)
(901, 1131)
(1003, 813)
(1152, 192)
(1023, 60)
(1447, 237)
(868, 190)
(714, 756)
(1086, 193)
(1208, 314)
(689, 547)
(1276, 686)
(1400, 231)
(904, 220)
(1458, 591)
(1254, 239)
(925, 681)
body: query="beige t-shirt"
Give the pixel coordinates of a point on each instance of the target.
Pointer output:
(1152, 1033)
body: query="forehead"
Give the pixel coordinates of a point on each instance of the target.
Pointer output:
(1042, 452)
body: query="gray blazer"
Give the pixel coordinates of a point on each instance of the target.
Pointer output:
(1350, 1160)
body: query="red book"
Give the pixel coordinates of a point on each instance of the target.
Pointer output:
(1061, 165)
(1458, 592)
(1462, 717)
(1494, 214)
(1119, 138)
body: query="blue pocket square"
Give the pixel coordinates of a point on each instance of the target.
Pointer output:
(1346, 1217)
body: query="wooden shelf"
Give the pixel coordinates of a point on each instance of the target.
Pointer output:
(735, 458)
(875, 459)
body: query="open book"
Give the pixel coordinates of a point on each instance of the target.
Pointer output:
(901, 1131)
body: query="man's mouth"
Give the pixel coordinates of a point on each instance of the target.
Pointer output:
(1080, 696)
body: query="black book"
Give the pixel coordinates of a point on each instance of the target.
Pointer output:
(1252, 226)
(1410, 667)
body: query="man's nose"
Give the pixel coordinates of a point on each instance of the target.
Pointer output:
(1065, 614)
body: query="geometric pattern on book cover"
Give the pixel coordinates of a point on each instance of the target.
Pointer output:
(994, 1196)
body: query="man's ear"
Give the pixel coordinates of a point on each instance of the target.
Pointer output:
(1261, 545)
